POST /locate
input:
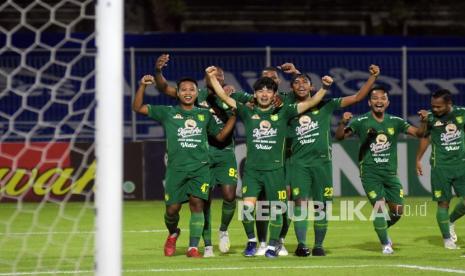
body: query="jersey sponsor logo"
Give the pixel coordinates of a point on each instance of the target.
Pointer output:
(452, 133)
(306, 125)
(178, 116)
(265, 131)
(382, 144)
(390, 130)
(190, 129)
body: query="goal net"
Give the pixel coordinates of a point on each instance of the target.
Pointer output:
(47, 134)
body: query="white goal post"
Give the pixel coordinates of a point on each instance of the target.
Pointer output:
(109, 136)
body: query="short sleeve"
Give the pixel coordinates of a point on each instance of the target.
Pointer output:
(241, 97)
(354, 126)
(403, 125)
(291, 111)
(212, 127)
(335, 104)
(242, 110)
(157, 112)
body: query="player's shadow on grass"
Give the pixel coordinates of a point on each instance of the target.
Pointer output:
(433, 240)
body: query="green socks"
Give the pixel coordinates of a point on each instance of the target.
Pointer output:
(247, 222)
(227, 213)
(458, 212)
(276, 226)
(320, 229)
(300, 225)
(171, 222)
(442, 217)
(195, 228)
(381, 229)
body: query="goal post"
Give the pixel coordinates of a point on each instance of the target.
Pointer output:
(109, 136)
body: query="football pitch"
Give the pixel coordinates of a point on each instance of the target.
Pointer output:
(64, 240)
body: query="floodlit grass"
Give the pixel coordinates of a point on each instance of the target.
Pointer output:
(40, 238)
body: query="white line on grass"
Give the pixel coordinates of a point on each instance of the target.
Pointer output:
(415, 267)
(155, 231)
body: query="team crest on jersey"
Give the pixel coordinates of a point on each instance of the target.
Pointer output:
(274, 117)
(201, 117)
(390, 130)
(244, 189)
(296, 191)
(372, 194)
(459, 119)
(255, 117)
(438, 123)
(178, 116)
(437, 194)
(167, 197)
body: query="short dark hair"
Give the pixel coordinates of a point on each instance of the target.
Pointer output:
(305, 76)
(270, 68)
(379, 87)
(265, 82)
(443, 93)
(184, 79)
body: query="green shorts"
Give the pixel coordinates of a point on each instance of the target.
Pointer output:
(381, 184)
(180, 185)
(315, 182)
(443, 179)
(271, 182)
(223, 170)
(287, 171)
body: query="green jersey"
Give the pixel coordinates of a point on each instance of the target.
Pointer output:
(265, 135)
(221, 112)
(186, 134)
(447, 138)
(310, 135)
(378, 140)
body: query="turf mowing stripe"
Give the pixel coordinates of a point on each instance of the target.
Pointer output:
(417, 267)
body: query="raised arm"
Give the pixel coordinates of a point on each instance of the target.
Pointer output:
(363, 92)
(422, 146)
(342, 132)
(288, 68)
(211, 79)
(138, 104)
(316, 99)
(162, 84)
(423, 114)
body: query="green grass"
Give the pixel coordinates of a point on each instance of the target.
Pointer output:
(62, 239)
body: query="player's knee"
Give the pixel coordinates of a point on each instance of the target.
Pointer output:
(229, 196)
(443, 204)
(398, 210)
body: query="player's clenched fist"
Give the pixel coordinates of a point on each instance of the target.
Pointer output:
(161, 62)
(327, 81)
(374, 70)
(423, 114)
(346, 117)
(147, 79)
(211, 71)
